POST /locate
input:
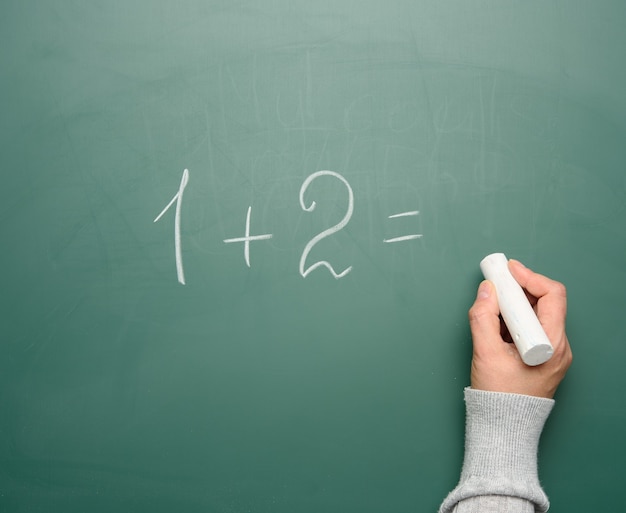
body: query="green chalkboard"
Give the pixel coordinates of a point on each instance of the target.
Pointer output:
(182, 181)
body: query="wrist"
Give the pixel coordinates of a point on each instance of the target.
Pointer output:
(502, 434)
(501, 439)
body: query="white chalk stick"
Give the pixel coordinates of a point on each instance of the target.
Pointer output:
(530, 339)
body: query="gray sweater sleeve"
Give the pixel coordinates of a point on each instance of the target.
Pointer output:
(500, 464)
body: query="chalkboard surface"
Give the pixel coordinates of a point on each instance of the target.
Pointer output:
(240, 239)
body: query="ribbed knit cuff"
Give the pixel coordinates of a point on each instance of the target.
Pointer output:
(501, 439)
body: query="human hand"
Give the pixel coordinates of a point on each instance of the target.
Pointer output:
(496, 363)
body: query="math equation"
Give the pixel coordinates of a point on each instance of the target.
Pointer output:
(247, 238)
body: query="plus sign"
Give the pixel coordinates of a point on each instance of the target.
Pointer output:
(247, 238)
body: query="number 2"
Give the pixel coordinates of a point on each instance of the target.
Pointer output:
(328, 232)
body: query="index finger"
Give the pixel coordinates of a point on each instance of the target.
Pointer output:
(551, 295)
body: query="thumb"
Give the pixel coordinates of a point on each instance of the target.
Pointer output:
(484, 319)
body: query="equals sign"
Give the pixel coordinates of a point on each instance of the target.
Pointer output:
(404, 237)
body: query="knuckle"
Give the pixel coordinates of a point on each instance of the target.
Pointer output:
(559, 289)
(565, 355)
(476, 313)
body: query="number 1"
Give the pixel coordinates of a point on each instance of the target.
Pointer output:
(178, 198)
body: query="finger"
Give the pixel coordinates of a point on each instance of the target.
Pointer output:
(484, 318)
(551, 297)
(536, 284)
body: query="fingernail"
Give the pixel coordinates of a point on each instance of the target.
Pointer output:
(484, 290)
(517, 262)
